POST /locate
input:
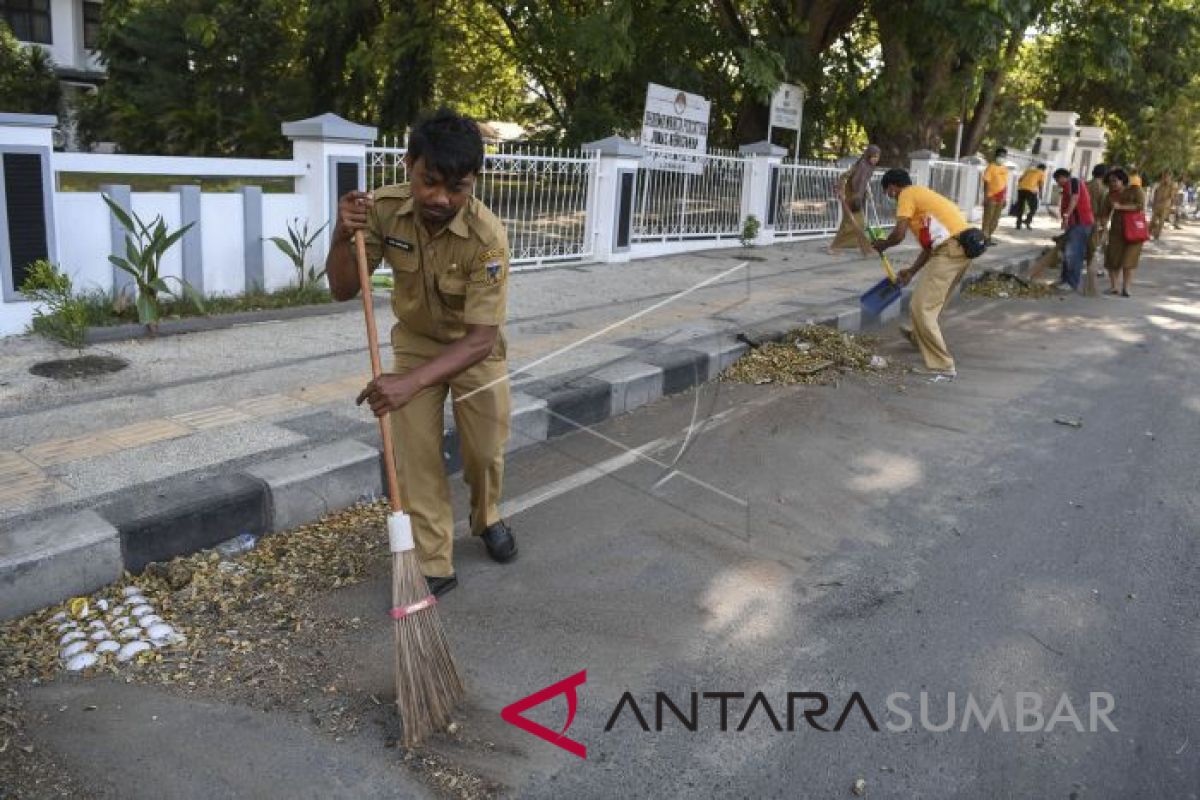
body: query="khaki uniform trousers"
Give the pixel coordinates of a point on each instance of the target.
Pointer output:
(482, 421)
(992, 212)
(846, 236)
(1158, 218)
(936, 283)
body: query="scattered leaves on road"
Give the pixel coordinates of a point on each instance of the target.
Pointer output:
(1001, 285)
(257, 635)
(813, 354)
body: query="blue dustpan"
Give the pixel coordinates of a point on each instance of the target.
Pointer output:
(880, 296)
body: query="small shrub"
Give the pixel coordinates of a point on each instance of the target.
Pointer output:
(749, 231)
(145, 245)
(63, 315)
(296, 248)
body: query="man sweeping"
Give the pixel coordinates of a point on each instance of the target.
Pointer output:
(937, 223)
(449, 259)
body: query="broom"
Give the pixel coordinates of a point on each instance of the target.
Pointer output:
(427, 681)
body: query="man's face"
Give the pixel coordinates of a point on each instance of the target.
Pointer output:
(1115, 183)
(1061, 180)
(436, 198)
(893, 191)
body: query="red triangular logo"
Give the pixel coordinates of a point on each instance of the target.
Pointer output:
(512, 714)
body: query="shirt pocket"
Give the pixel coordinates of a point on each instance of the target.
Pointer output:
(452, 290)
(401, 261)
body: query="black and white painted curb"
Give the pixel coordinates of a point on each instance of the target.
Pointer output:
(75, 553)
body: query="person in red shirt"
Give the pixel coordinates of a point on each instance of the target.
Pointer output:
(1077, 221)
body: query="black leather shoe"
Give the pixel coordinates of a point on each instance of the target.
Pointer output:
(501, 545)
(439, 586)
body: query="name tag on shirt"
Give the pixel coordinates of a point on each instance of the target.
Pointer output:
(392, 241)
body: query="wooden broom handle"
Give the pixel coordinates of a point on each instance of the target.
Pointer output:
(385, 431)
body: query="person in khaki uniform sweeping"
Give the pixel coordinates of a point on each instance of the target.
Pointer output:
(851, 191)
(995, 190)
(937, 223)
(449, 259)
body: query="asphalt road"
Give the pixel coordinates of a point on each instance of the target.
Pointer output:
(865, 538)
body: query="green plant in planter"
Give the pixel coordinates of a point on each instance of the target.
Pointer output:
(145, 245)
(296, 248)
(63, 315)
(749, 230)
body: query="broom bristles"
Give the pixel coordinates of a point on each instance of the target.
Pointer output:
(427, 681)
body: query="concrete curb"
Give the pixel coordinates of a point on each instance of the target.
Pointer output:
(181, 516)
(83, 554)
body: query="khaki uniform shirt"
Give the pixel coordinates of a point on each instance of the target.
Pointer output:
(1164, 195)
(443, 282)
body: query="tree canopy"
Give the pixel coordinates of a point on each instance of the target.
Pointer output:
(27, 81)
(218, 76)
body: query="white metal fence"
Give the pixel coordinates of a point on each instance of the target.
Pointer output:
(804, 204)
(947, 178)
(682, 196)
(540, 194)
(803, 199)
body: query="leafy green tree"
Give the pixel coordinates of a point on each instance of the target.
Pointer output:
(28, 84)
(932, 54)
(198, 77)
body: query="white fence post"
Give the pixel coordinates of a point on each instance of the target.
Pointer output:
(333, 152)
(757, 197)
(27, 229)
(920, 166)
(611, 196)
(970, 194)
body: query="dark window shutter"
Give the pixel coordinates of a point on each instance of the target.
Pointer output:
(347, 177)
(26, 209)
(624, 208)
(773, 194)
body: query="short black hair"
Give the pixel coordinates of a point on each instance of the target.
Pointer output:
(1100, 170)
(1041, 166)
(1062, 173)
(449, 142)
(1000, 151)
(895, 177)
(1117, 172)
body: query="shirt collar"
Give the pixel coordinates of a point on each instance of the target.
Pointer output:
(457, 225)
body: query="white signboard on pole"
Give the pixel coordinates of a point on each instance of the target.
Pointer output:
(676, 121)
(787, 107)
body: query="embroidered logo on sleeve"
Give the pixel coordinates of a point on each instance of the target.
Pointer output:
(493, 266)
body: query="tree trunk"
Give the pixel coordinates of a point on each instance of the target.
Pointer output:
(975, 128)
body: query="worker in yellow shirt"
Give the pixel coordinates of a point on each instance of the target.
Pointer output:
(1029, 188)
(995, 192)
(940, 228)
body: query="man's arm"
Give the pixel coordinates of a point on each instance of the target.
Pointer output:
(895, 237)
(340, 267)
(904, 276)
(1074, 201)
(390, 391)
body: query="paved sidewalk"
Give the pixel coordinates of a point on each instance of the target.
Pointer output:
(227, 420)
